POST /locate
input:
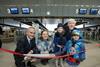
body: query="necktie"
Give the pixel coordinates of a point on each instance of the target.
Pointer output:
(30, 43)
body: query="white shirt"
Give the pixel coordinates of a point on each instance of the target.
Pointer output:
(28, 39)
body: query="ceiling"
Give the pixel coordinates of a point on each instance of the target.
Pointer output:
(46, 2)
(56, 7)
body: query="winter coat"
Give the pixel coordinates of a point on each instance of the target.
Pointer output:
(59, 39)
(79, 54)
(44, 46)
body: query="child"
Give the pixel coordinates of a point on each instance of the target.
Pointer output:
(75, 48)
(59, 42)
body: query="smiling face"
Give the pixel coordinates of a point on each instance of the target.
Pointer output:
(30, 32)
(75, 37)
(44, 35)
(71, 24)
(60, 29)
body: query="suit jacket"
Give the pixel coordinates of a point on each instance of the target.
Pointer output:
(23, 45)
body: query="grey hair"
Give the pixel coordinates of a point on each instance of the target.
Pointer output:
(70, 20)
(29, 28)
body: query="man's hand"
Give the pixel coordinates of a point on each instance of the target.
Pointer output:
(27, 58)
(30, 52)
(33, 60)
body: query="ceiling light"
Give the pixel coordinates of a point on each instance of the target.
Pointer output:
(48, 12)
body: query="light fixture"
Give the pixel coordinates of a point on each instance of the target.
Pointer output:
(8, 10)
(48, 12)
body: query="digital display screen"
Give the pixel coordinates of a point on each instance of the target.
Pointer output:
(82, 11)
(25, 11)
(93, 11)
(14, 10)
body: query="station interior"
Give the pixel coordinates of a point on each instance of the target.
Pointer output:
(18, 15)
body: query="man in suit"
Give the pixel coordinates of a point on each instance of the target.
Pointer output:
(25, 45)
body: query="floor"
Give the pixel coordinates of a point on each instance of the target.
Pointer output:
(93, 56)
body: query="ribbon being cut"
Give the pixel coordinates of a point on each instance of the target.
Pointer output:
(40, 55)
(33, 55)
(48, 56)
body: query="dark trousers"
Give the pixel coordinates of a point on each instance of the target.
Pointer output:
(19, 61)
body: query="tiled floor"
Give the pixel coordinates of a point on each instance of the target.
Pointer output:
(93, 56)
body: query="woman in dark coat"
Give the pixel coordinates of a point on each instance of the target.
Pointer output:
(59, 38)
(59, 42)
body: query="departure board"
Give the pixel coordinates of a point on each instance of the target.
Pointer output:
(93, 11)
(25, 10)
(14, 10)
(82, 11)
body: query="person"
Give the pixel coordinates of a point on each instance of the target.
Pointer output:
(59, 42)
(44, 45)
(75, 48)
(24, 46)
(69, 26)
(59, 38)
(0, 43)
